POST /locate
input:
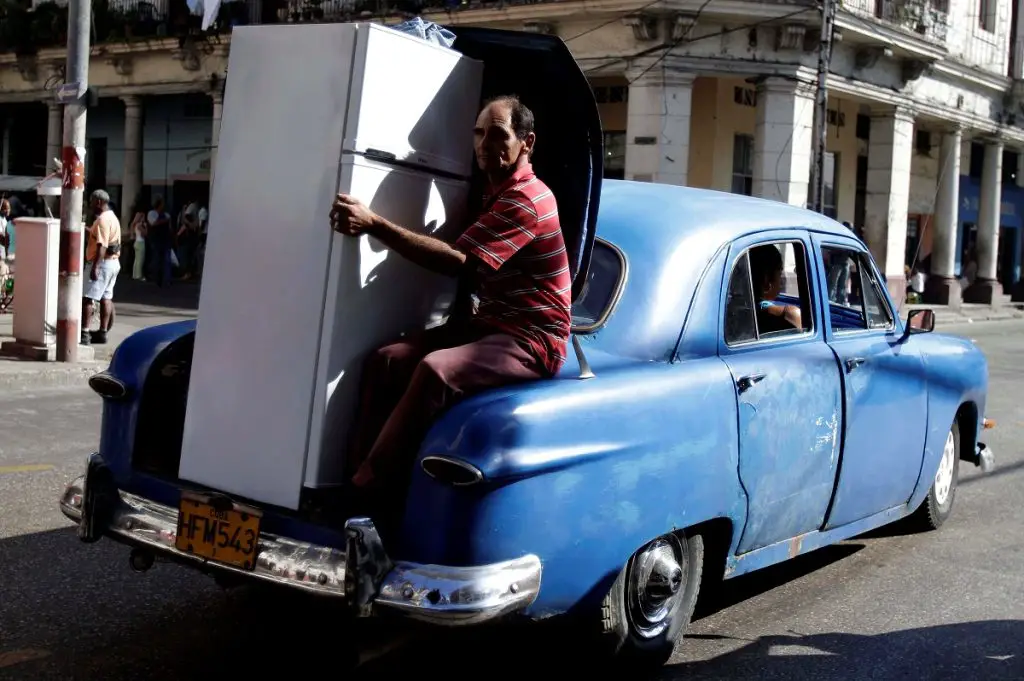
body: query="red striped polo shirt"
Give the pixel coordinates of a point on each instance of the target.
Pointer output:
(524, 287)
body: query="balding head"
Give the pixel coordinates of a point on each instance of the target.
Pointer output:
(503, 136)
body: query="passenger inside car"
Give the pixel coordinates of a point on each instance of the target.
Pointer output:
(766, 274)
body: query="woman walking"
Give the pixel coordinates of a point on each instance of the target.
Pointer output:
(138, 229)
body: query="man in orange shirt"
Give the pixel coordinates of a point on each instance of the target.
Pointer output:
(102, 265)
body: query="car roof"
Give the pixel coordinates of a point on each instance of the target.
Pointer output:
(671, 212)
(669, 235)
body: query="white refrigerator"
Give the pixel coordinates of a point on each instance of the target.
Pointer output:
(288, 309)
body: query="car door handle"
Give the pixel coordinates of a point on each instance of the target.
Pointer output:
(748, 382)
(853, 362)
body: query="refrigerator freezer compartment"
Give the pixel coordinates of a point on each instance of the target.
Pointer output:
(374, 295)
(413, 100)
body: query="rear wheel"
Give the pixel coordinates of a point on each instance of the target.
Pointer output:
(938, 505)
(651, 602)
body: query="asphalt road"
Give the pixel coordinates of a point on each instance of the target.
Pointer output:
(939, 605)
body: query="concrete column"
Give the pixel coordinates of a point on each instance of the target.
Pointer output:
(888, 195)
(985, 288)
(131, 182)
(218, 109)
(782, 140)
(54, 142)
(658, 127)
(54, 135)
(942, 287)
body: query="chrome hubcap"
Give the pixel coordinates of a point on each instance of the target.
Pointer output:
(944, 476)
(656, 585)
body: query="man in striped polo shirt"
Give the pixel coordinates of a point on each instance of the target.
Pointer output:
(514, 258)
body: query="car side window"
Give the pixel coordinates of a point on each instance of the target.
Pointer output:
(768, 294)
(875, 309)
(855, 301)
(739, 307)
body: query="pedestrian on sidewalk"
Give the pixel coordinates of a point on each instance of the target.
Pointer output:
(138, 230)
(5, 243)
(159, 242)
(102, 262)
(187, 238)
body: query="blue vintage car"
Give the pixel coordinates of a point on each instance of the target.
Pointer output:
(742, 391)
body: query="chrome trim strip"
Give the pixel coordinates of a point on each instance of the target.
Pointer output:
(281, 560)
(477, 474)
(985, 458)
(620, 286)
(458, 596)
(441, 595)
(105, 377)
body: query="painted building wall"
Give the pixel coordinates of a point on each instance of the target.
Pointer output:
(176, 142)
(1011, 212)
(176, 138)
(976, 34)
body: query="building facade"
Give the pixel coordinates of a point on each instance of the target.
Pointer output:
(925, 119)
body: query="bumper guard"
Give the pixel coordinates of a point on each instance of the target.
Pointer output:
(362, 575)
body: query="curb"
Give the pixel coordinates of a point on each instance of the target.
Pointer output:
(983, 317)
(34, 377)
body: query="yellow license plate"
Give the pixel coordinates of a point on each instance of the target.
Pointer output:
(225, 535)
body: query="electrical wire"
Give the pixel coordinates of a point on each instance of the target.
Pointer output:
(618, 17)
(669, 47)
(683, 38)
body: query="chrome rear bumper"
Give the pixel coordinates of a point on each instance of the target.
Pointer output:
(362, 575)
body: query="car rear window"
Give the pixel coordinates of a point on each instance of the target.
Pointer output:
(602, 290)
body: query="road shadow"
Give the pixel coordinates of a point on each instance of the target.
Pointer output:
(74, 611)
(717, 595)
(991, 650)
(180, 295)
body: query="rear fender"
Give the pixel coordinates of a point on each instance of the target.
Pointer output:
(131, 364)
(580, 473)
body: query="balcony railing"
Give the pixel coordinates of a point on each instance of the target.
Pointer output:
(29, 25)
(929, 19)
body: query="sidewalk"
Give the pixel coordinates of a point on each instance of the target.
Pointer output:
(969, 313)
(137, 305)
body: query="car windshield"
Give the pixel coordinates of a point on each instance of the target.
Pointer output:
(600, 292)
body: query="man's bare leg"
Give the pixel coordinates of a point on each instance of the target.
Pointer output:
(87, 310)
(106, 315)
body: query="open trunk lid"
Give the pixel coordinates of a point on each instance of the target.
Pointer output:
(569, 156)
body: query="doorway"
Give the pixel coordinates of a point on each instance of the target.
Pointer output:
(1006, 265)
(187, 191)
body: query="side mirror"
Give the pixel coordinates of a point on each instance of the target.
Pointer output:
(920, 321)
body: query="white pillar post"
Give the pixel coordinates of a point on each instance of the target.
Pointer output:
(942, 287)
(54, 141)
(782, 140)
(658, 126)
(890, 149)
(218, 109)
(131, 181)
(54, 133)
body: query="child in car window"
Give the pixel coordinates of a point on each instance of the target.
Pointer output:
(766, 273)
